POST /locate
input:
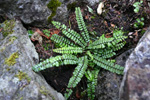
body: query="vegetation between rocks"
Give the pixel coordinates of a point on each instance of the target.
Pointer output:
(90, 56)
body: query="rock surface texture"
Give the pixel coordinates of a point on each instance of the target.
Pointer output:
(17, 56)
(136, 81)
(36, 12)
(109, 83)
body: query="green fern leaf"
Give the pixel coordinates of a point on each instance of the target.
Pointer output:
(91, 83)
(61, 41)
(71, 34)
(78, 73)
(81, 24)
(56, 61)
(101, 43)
(69, 50)
(104, 53)
(108, 65)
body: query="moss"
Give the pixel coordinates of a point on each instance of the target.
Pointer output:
(21, 75)
(45, 92)
(7, 27)
(12, 59)
(72, 6)
(11, 39)
(52, 5)
(2, 49)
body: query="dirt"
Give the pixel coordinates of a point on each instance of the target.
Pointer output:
(117, 14)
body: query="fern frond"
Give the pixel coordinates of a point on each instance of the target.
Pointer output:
(68, 50)
(104, 53)
(78, 73)
(118, 46)
(91, 83)
(71, 34)
(101, 43)
(108, 65)
(81, 24)
(61, 41)
(56, 61)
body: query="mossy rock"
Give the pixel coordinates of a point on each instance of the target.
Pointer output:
(53, 5)
(7, 27)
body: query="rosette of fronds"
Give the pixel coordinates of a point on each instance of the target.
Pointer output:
(90, 57)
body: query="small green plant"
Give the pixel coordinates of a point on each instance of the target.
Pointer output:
(137, 6)
(30, 32)
(46, 32)
(89, 56)
(139, 23)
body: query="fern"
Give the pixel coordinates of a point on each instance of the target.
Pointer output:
(92, 82)
(89, 57)
(68, 50)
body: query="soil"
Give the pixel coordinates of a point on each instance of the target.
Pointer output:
(116, 14)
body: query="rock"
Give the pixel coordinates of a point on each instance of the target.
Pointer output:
(36, 12)
(136, 80)
(17, 56)
(109, 83)
(91, 2)
(29, 11)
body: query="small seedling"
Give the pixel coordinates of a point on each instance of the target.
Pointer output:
(137, 6)
(139, 23)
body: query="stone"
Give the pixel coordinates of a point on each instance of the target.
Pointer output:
(36, 12)
(108, 82)
(136, 80)
(17, 56)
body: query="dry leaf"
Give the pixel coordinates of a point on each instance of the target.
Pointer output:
(37, 37)
(99, 9)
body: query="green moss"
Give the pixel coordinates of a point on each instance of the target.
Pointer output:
(52, 5)
(21, 75)
(11, 39)
(7, 27)
(12, 59)
(72, 6)
(45, 92)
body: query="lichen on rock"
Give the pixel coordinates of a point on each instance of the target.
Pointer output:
(12, 59)
(7, 27)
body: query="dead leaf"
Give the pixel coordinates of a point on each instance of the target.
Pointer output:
(99, 9)
(108, 35)
(41, 33)
(1, 29)
(37, 37)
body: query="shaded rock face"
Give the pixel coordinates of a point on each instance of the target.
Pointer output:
(17, 56)
(29, 11)
(36, 12)
(109, 83)
(136, 81)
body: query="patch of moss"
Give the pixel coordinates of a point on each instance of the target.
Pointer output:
(45, 92)
(72, 6)
(2, 49)
(52, 5)
(21, 75)
(12, 59)
(11, 39)
(7, 27)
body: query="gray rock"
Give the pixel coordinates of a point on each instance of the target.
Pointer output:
(17, 56)
(109, 83)
(36, 12)
(29, 11)
(92, 2)
(136, 81)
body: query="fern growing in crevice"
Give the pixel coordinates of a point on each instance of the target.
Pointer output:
(91, 56)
